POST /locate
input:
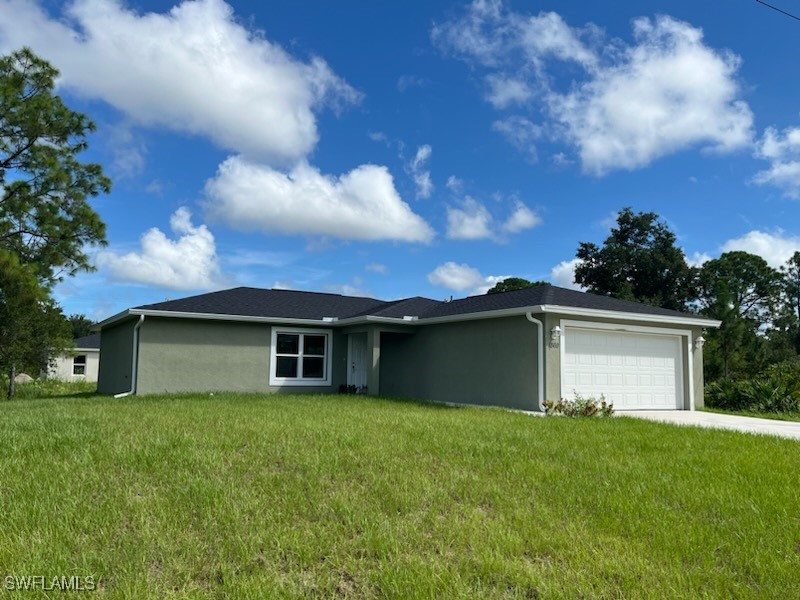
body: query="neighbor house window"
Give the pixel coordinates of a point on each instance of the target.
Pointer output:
(300, 357)
(79, 365)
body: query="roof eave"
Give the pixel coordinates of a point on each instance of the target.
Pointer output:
(366, 319)
(630, 316)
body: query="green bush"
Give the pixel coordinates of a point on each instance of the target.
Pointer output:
(776, 390)
(580, 407)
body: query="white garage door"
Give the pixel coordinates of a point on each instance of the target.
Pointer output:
(634, 371)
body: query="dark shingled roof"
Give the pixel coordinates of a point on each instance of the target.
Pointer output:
(290, 304)
(88, 341)
(545, 294)
(255, 302)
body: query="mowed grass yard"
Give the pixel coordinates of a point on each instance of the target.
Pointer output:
(245, 496)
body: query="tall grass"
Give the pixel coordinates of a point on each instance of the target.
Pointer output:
(347, 496)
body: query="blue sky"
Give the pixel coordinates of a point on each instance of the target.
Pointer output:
(416, 148)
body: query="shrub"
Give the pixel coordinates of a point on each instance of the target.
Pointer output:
(579, 407)
(775, 390)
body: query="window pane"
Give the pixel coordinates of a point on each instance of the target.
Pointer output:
(314, 345)
(286, 367)
(313, 368)
(79, 360)
(79, 370)
(288, 343)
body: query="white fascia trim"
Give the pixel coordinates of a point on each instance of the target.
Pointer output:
(630, 316)
(87, 349)
(487, 314)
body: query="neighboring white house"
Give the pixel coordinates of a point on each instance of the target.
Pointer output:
(82, 364)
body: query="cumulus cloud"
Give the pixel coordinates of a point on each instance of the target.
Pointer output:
(360, 205)
(782, 150)
(188, 262)
(521, 219)
(462, 277)
(625, 104)
(563, 274)
(194, 69)
(422, 176)
(669, 92)
(471, 220)
(775, 248)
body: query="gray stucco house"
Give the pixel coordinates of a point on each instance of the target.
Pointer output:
(514, 349)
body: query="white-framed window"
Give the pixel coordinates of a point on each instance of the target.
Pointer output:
(300, 356)
(79, 365)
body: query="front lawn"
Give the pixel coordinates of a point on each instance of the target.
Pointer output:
(345, 496)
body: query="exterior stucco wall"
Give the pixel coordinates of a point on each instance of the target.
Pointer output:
(491, 362)
(189, 355)
(116, 355)
(62, 366)
(553, 355)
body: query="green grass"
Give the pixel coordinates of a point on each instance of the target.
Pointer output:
(775, 416)
(236, 496)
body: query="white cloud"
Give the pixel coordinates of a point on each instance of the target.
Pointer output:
(520, 133)
(563, 274)
(186, 263)
(776, 248)
(194, 69)
(345, 289)
(622, 105)
(505, 91)
(472, 221)
(454, 184)
(783, 153)
(522, 218)
(378, 268)
(127, 149)
(668, 93)
(462, 277)
(422, 177)
(697, 259)
(360, 205)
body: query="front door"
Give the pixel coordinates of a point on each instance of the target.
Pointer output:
(357, 360)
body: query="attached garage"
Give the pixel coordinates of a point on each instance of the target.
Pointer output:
(638, 368)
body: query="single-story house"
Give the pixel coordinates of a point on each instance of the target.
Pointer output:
(81, 364)
(513, 349)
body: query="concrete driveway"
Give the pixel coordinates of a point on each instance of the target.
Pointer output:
(698, 418)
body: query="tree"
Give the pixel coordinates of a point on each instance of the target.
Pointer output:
(638, 261)
(45, 217)
(514, 283)
(46, 221)
(787, 322)
(742, 291)
(31, 324)
(81, 326)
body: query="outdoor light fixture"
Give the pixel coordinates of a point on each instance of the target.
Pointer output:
(698, 343)
(555, 336)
